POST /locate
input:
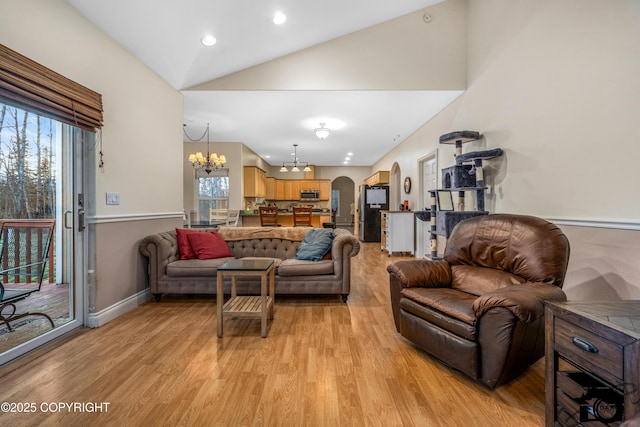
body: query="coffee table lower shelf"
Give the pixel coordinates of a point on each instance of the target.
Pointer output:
(247, 307)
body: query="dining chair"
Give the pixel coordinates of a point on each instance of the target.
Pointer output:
(302, 216)
(217, 216)
(232, 217)
(269, 216)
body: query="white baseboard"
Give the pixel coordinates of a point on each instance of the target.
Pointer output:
(95, 320)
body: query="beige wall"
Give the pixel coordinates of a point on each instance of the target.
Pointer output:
(140, 138)
(554, 84)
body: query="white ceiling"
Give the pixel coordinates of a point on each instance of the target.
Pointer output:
(166, 34)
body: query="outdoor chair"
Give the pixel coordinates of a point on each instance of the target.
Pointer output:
(24, 253)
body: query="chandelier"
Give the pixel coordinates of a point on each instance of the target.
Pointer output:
(209, 163)
(295, 163)
(322, 132)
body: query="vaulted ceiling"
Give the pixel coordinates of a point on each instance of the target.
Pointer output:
(374, 72)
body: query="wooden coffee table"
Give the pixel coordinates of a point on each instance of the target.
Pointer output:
(247, 307)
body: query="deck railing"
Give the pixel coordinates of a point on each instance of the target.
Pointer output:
(26, 251)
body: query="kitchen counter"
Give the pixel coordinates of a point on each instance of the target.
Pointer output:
(284, 213)
(285, 219)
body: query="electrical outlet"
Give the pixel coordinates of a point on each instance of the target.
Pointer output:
(113, 198)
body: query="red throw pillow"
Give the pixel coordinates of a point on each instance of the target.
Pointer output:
(209, 245)
(184, 247)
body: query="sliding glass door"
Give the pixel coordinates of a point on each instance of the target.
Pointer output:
(41, 179)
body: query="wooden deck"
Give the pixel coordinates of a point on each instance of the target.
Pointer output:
(52, 299)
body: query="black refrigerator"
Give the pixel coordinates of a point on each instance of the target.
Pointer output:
(371, 201)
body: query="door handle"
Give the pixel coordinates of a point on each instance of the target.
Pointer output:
(81, 220)
(68, 220)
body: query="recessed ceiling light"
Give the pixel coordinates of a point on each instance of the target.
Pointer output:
(347, 158)
(349, 153)
(209, 40)
(279, 18)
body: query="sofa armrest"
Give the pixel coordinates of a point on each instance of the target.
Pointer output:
(421, 273)
(344, 246)
(525, 301)
(160, 249)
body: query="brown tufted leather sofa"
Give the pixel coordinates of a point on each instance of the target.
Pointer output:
(168, 274)
(480, 309)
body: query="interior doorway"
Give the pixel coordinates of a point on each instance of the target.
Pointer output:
(344, 189)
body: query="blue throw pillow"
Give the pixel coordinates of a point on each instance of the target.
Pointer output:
(316, 243)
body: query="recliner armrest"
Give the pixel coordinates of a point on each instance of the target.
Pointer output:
(525, 301)
(421, 273)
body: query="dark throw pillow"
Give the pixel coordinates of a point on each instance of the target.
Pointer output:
(209, 245)
(316, 243)
(184, 247)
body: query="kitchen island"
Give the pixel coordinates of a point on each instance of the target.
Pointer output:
(285, 219)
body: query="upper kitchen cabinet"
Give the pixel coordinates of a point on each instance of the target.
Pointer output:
(254, 182)
(279, 189)
(270, 188)
(291, 189)
(325, 189)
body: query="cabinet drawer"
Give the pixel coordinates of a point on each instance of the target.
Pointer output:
(589, 350)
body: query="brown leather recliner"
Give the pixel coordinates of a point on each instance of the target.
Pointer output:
(480, 309)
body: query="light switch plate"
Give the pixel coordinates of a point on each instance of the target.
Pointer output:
(113, 198)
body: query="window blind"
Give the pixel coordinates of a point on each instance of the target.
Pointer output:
(32, 86)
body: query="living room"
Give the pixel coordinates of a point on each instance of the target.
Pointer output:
(552, 84)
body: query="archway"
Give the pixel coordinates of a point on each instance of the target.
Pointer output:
(343, 200)
(395, 192)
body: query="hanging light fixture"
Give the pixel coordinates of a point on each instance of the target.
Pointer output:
(295, 163)
(322, 132)
(209, 163)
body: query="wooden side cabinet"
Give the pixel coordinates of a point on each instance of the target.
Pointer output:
(592, 363)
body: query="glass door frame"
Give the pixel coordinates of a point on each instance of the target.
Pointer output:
(74, 155)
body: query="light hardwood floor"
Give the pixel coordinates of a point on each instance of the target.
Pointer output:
(323, 363)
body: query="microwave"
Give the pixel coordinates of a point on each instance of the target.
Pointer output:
(310, 195)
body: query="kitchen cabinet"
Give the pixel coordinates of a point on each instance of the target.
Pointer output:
(310, 184)
(378, 178)
(291, 189)
(279, 189)
(325, 190)
(254, 182)
(270, 188)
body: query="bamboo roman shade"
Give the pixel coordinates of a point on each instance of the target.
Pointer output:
(29, 85)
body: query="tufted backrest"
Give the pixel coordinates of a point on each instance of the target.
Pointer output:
(272, 248)
(521, 248)
(263, 247)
